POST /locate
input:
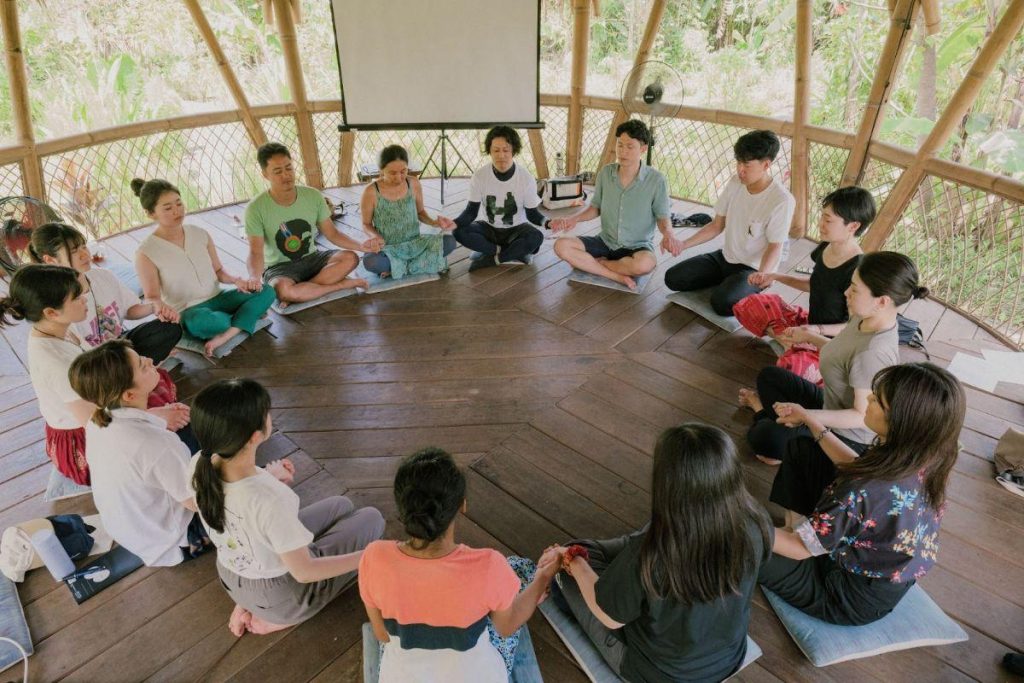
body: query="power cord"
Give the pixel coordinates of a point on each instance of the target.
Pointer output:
(24, 655)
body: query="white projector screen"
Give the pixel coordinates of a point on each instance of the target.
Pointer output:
(438, 63)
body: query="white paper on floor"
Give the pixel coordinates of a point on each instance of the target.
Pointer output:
(989, 370)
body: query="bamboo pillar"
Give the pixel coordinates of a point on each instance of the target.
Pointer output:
(251, 123)
(285, 21)
(932, 16)
(896, 42)
(800, 163)
(909, 181)
(578, 84)
(540, 157)
(31, 168)
(643, 52)
(345, 158)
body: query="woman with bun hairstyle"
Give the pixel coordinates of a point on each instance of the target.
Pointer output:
(109, 302)
(52, 298)
(429, 598)
(882, 282)
(392, 209)
(179, 269)
(873, 531)
(280, 564)
(672, 601)
(139, 470)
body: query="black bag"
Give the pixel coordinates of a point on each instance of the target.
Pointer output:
(911, 335)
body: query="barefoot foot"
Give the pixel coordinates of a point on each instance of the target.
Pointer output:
(769, 461)
(628, 281)
(262, 628)
(750, 399)
(239, 621)
(353, 283)
(216, 342)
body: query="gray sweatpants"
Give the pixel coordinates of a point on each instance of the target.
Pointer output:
(338, 528)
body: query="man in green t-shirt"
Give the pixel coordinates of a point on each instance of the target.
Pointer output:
(281, 225)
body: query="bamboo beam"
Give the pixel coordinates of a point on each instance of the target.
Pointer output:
(578, 84)
(896, 42)
(907, 185)
(800, 162)
(251, 123)
(643, 53)
(540, 156)
(303, 118)
(345, 158)
(31, 168)
(932, 16)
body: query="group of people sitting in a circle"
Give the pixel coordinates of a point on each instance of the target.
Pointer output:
(864, 444)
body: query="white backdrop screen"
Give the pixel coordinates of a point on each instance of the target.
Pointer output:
(436, 62)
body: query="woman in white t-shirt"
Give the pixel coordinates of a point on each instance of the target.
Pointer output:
(280, 564)
(52, 298)
(503, 201)
(109, 302)
(139, 470)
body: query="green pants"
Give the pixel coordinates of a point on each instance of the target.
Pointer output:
(230, 308)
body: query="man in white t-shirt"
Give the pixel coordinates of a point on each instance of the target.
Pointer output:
(754, 211)
(502, 205)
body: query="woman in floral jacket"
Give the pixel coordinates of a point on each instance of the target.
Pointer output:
(875, 529)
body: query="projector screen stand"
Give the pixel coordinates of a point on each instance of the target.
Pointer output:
(442, 145)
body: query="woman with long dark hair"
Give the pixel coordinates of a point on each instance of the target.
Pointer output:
(280, 564)
(672, 601)
(874, 531)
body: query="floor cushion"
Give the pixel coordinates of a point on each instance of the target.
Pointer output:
(598, 281)
(190, 343)
(12, 625)
(699, 301)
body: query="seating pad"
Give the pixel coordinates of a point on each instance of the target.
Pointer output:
(58, 487)
(379, 284)
(916, 622)
(587, 656)
(598, 281)
(190, 343)
(699, 301)
(12, 624)
(333, 296)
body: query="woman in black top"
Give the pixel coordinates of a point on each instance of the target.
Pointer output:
(672, 601)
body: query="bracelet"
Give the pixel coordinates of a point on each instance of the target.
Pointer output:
(824, 432)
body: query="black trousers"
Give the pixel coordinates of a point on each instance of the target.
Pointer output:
(515, 242)
(154, 339)
(775, 384)
(712, 270)
(821, 588)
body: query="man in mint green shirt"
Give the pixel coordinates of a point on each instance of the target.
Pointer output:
(632, 201)
(281, 225)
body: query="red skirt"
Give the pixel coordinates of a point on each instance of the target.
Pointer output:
(66, 449)
(764, 313)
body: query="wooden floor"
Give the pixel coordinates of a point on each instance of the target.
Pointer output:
(551, 394)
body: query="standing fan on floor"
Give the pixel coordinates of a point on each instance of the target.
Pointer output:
(652, 89)
(18, 217)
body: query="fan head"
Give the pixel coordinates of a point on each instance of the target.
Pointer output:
(19, 216)
(652, 88)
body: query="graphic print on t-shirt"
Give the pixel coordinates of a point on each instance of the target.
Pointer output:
(507, 210)
(234, 547)
(294, 238)
(106, 325)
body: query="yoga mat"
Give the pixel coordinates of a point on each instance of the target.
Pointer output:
(190, 343)
(598, 281)
(699, 301)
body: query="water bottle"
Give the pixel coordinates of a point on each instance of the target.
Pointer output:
(559, 165)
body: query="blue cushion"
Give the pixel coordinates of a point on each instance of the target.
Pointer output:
(190, 343)
(699, 301)
(597, 280)
(916, 622)
(587, 656)
(12, 624)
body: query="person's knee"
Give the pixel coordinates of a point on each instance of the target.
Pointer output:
(677, 278)
(769, 378)
(344, 258)
(722, 300)
(643, 263)
(534, 239)
(371, 524)
(448, 244)
(266, 295)
(565, 245)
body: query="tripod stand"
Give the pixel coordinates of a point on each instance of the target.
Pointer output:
(442, 145)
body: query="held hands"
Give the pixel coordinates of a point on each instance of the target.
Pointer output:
(283, 470)
(248, 284)
(796, 335)
(561, 224)
(445, 223)
(672, 245)
(790, 414)
(761, 280)
(176, 415)
(374, 244)
(165, 313)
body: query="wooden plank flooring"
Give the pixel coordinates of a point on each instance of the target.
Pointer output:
(551, 395)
